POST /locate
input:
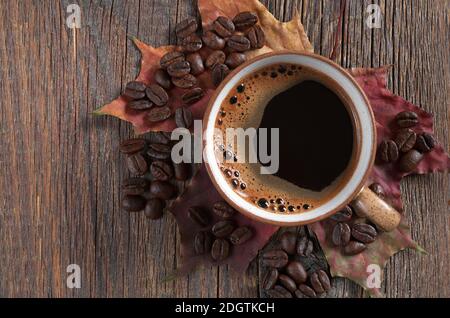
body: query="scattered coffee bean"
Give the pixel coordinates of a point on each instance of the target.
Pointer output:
(159, 151)
(157, 114)
(135, 90)
(341, 234)
(161, 137)
(364, 233)
(199, 216)
(223, 27)
(202, 242)
(219, 73)
(183, 118)
(256, 37)
(220, 249)
(157, 95)
(196, 62)
(179, 69)
(305, 247)
(241, 235)
(410, 161)
(135, 186)
(223, 210)
(213, 41)
(343, 215)
(270, 279)
(238, 43)
(181, 171)
(131, 146)
(133, 203)
(192, 43)
(288, 241)
(275, 258)
(297, 272)
(161, 170)
(407, 119)
(186, 81)
(287, 282)
(405, 139)
(223, 228)
(425, 143)
(305, 291)
(163, 190)
(388, 151)
(377, 189)
(162, 79)
(170, 58)
(235, 59)
(192, 96)
(141, 104)
(245, 20)
(215, 58)
(320, 282)
(186, 27)
(154, 209)
(137, 165)
(354, 248)
(281, 292)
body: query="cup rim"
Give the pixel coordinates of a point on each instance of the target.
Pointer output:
(364, 178)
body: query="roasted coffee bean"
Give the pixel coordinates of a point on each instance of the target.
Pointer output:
(186, 27)
(341, 234)
(410, 160)
(213, 41)
(157, 114)
(364, 233)
(238, 43)
(179, 69)
(220, 249)
(305, 291)
(187, 81)
(163, 190)
(135, 186)
(159, 151)
(297, 272)
(388, 151)
(199, 216)
(162, 79)
(245, 20)
(282, 291)
(354, 248)
(287, 282)
(215, 58)
(133, 145)
(223, 210)
(202, 242)
(183, 118)
(288, 241)
(161, 137)
(305, 247)
(256, 37)
(275, 258)
(193, 96)
(133, 203)
(192, 43)
(157, 95)
(425, 143)
(170, 58)
(134, 90)
(320, 282)
(241, 235)
(154, 209)
(223, 27)
(137, 165)
(223, 228)
(377, 189)
(196, 62)
(270, 279)
(235, 59)
(140, 104)
(405, 139)
(182, 171)
(343, 215)
(161, 170)
(219, 73)
(407, 119)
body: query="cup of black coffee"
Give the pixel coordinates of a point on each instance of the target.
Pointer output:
(302, 145)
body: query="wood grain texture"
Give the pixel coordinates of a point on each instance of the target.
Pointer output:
(60, 169)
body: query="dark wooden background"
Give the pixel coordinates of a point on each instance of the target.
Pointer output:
(60, 171)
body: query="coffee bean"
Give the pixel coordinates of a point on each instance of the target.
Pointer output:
(162, 79)
(275, 258)
(305, 247)
(244, 20)
(425, 143)
(407, 119)
(157, 95)
(192, 96)
(354, 248)
(186, 81)
(410, 161)
(163, 190)
(405, 139)
(159, 151)
(256, 37)
(223, 210)
(134, 186)
(157, 114)
(182, 171)
(220, 250)
(161, 170)
(192, 43)
(179, 69)
(287, 282)
(140, 104)
(215, 58)
(219, 73)
(223, 228)
(137, 165)
(186, 27)
(131, 146)
(199, 216)
(288, 241)
(134, 90)
(223, 27)
(388, 151)
(241, 235)
(170, 58)
(183, 118)
(270, 279)
(161, 137)
(364, 233)
(213, 41)
(297, 272)
(377, 189)
(341, 234)
(196, 62)
(320, 282)
(283, 292)
(305, 291)
(154, 209)
(238, 43)
(235, 59)
(133, 203)
(202, 242)
(343, 215)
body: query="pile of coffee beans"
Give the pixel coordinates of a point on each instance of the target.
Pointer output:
(217, 238)
(153, 174)
(218, 48)
(407, 147)
(294, 270)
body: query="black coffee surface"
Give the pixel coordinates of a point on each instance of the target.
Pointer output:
(316, 134)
